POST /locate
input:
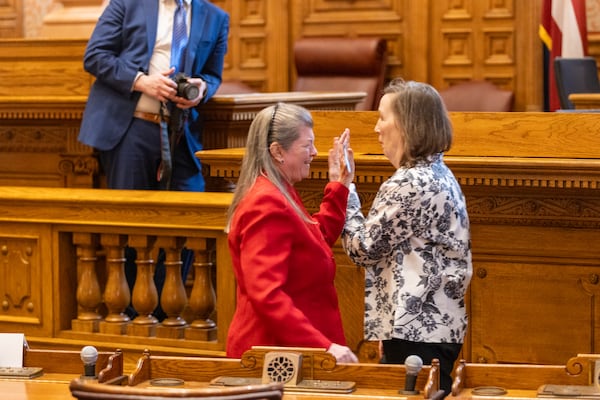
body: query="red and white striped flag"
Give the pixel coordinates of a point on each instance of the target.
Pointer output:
(563, 29)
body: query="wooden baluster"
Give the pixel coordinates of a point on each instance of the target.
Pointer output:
(89, 295)
(145, 295)
(173, 297)
(116, 292)
(202, 299)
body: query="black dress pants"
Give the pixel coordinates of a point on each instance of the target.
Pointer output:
(395, 351)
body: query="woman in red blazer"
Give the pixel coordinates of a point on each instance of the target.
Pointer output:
(282, 256)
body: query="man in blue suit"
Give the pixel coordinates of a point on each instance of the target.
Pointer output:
(129, 54)
(134, 95)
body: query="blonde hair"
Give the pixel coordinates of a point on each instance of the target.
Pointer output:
(279, 123)
(421, 114)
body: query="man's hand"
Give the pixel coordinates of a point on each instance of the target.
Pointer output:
(184, 103)
(160, 85)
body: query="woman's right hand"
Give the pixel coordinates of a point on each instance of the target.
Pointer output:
(341, 160)
(342, 354)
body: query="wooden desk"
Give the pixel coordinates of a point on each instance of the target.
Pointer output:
(373, 381)
(228, 117)
(521, 381)
(60, 367)
(47, 387)
(46, 127)
(511, 394)
(282, 368)
(531, 182)
(58, 389)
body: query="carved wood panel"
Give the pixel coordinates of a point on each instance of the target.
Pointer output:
(441, 42)
(11, 17)
(435, 41)
(520, 307)
(24, 298)
(473, 40)
(258, 43)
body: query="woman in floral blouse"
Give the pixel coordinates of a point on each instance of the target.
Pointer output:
(415, 241)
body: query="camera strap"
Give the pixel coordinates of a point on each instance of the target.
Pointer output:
(165, 169)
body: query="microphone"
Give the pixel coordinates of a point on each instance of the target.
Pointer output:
(89, 355)
(413, 365)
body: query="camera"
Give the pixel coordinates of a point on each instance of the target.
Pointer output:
(184, 88)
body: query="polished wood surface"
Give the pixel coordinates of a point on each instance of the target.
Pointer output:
(372, 380)
(251, 371)
(48, 388)
(60, 367)
(40, 389)
(69, 361)
(521, 381)
(585, 101)
(227, 117)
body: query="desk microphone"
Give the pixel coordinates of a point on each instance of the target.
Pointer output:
(89, 355)
(413, 365)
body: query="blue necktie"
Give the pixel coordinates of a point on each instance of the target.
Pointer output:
(169, 139)
(179, 37)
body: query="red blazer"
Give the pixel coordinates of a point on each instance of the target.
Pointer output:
(285, 270)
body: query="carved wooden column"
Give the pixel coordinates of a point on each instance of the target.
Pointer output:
(145, 295)
(202, 299)
(89, 295)
(173, 298)
(116, 292)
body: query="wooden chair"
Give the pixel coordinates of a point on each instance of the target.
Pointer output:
(342, 64)
(477, 96)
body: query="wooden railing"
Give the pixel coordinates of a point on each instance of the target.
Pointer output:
(62, 263)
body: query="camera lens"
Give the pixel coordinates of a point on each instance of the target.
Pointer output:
(189, 91)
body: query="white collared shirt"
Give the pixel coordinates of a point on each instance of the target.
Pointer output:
(161, 54)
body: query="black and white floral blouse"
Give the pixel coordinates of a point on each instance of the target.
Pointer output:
(416, 249)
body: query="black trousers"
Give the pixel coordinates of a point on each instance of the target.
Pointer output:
(395, 351)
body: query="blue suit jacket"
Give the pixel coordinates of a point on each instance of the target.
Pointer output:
(121, 45)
